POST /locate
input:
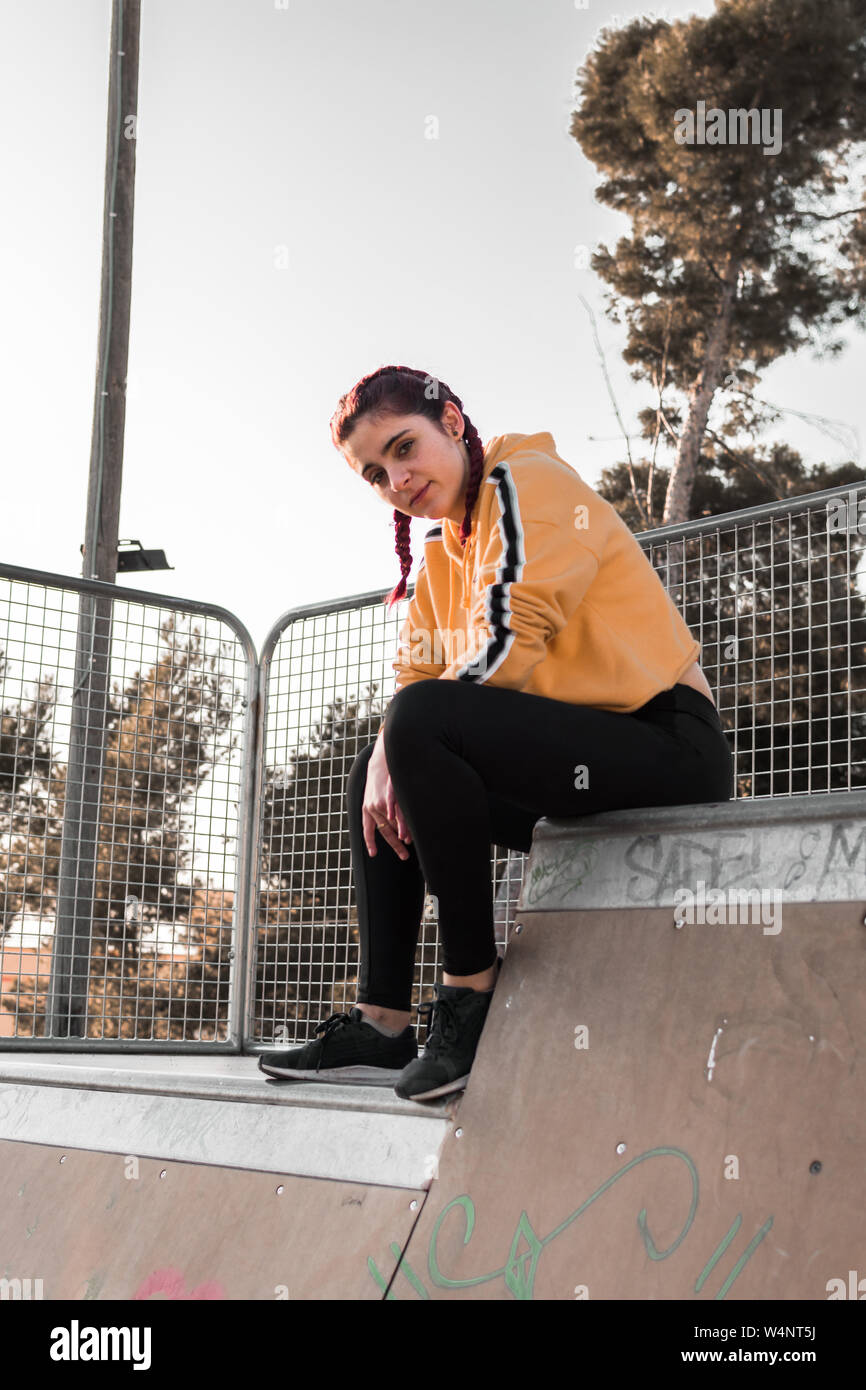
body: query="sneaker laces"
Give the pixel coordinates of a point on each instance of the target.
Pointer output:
(440, 1017)
(329, 1026)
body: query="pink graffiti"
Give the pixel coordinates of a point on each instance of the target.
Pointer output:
(169, 1282)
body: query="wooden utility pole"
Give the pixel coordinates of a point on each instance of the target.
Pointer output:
(68, 991)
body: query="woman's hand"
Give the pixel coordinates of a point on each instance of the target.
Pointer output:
(380, 810)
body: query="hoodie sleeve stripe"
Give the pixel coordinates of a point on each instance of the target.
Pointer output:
(497, 608)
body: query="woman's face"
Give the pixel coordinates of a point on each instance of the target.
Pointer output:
(411, 464)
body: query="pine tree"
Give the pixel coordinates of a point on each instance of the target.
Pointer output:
(737, 257)
(29, 782)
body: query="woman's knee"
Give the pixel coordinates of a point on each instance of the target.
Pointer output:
(357, 779)
(413, 713)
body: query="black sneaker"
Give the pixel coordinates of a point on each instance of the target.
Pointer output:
(349, 1050)
(455, 1019)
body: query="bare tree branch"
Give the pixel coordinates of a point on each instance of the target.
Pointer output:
(820, 216)
(600, 350)
(748, 464)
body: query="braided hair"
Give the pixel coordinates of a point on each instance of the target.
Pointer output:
(406, 391)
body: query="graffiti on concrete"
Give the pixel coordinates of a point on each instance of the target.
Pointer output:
(817, 862)
(662, 864)
(560, 872)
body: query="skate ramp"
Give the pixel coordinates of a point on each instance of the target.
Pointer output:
(659, 1108)
(663, 1111)
(175, 1177)
(102, 1226)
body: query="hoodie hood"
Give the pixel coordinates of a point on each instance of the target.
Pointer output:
(500, 447)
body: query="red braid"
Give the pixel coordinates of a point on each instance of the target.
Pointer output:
(403, 529)
(397, 389)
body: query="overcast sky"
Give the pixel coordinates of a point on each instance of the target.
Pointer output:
(305, 128)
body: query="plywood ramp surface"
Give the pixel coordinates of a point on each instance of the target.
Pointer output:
(109, 1226)
(658, 1113)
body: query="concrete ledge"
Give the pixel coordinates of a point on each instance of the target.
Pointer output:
(219, 1110)
(810, 848)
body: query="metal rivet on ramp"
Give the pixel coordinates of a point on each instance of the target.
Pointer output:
(63, 1158)
(816, 1166)
(508, 1002)
(518, 929)
(620, 1148)
(163, 1173)
(280, 1190)
(458, 1133)
(413, 1206)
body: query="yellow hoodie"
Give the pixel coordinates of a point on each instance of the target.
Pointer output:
(552, 594)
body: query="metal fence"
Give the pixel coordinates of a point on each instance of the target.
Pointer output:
(126, 774)
(220, 823)
(776, 596)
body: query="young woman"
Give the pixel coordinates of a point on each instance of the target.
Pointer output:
(543, 670)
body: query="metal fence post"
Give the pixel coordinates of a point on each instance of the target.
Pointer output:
(246, 906)
(253, 824)
(70, 960)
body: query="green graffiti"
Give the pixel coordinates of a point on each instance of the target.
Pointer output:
(378, 1276)
(408, 1272)
(741, 1262)
(718, 1253)
(519, 1269)
(560, 873)
(94, 1284)
(745, 1257)
(403, 1267)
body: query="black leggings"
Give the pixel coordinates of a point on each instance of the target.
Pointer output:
(478, 765)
